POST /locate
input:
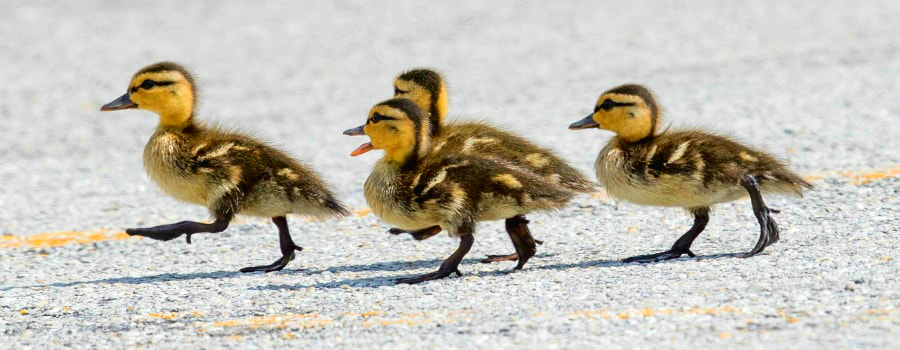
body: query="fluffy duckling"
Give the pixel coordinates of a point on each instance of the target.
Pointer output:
(689, 169)
(428, 90)
(417, 186)
(227, 172)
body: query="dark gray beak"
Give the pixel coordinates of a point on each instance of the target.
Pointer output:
(586, 123)
(123, 102)
(357, 131)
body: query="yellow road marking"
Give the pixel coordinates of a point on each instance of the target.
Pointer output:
(58, 239)
(858, 177)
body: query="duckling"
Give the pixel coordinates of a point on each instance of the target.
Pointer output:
(417, 186)
(228, 172)
(428, 90)
(691, 169)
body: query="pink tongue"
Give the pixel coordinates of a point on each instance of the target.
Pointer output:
(363, 148)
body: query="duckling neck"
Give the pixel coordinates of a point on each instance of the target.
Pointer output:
(176, 117)
(400, 160)
(636, 138)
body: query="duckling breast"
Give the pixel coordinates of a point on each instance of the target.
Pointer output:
(391, 200)
(167, 162)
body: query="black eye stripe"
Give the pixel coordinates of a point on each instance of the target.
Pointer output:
(148, 84)
(610, 104)
(378, 117)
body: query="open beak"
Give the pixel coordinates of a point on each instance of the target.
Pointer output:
(123, 102)
(586, 123)
(363, 148)
(357, 131)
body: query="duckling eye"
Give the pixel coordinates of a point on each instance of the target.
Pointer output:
(607, 105)
(378, 117)
(147, 84)
(397, 91)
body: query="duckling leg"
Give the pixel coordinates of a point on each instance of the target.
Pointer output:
(449, 266)
(517, 228)
(287, 248)
(768, 228)
(682, 245)
(187, 228)
(419, 235)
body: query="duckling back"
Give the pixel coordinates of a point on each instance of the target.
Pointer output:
(487, 141)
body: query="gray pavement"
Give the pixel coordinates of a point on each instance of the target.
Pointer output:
(815, 82)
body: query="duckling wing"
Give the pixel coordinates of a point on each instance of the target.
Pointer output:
(462, 190)
(247, 176)
(726, 162)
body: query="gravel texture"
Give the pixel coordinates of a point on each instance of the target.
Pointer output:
(814, 82)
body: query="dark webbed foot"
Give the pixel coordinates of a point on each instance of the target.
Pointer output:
(449, 266)
(287, 249)
(154, 233)
(278, 265)
(440, 273)
(418, 235)
(769, 232)
(172, 231)
(768, 228)
(662, 256)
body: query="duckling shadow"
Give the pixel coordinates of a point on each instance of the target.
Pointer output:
(618, 262)
(382, 266)
(381, 281)
(368, 282)
(393, 265)
(164, 277)
(579, 265)
(720, 256)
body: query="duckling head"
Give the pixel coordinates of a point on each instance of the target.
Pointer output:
(399, 127)
(426, 88)
(165, 88)
(628, 110)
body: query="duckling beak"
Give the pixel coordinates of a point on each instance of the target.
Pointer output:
(363, 148)
(357, 131)
(586, 123)
(123, 102)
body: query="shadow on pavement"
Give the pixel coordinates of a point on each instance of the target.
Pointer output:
(370, 282)
(139, 280)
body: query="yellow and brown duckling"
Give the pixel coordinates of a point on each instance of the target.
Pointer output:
(689, 169)
(427, 88)
(416, 186)
(225, 171)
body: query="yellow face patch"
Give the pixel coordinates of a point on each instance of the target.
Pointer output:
(626, 115)
(391, 130)
(167, 93)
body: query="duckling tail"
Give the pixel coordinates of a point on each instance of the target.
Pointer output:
(787, 182)
(336, 206)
